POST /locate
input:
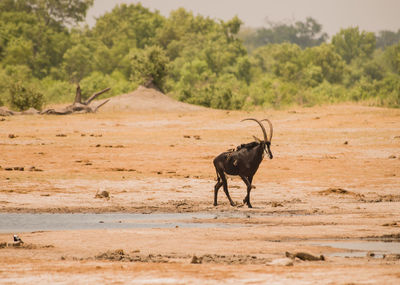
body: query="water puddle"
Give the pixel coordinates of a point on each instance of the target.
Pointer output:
(52, 222)
(362, 248)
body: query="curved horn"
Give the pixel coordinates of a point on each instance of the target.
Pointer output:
(271, 129)
(261, 125)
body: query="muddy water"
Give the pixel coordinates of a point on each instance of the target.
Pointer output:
(49, 222)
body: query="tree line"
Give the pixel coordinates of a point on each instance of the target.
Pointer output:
(45, 51)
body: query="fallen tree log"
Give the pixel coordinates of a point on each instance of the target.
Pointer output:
(4, 111)
(78, 106)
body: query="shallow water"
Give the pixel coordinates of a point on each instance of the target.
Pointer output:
(361, 248)
(50, 222)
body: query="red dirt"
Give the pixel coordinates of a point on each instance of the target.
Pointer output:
(152, 159)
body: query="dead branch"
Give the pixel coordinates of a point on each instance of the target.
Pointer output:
(79, 107)
(91, 98)
(78, 95)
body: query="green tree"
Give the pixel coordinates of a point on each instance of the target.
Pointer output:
(387, 38)
(331, 64)
(243, 69)
(25, 39)
(150, 66)
(134, 25)
(288, 61)
(60, 12)
(304, 34)
(309, 33)
(77, 63)
(392, 57)
(351, 43)
(19, 51)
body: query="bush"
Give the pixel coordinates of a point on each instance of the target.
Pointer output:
(273, 92)
(150, 65)
(389, 91)
(226, 93)
(97, 81)
(24, 97)
(56, 91)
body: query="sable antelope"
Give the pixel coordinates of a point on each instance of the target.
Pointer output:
(243, 161)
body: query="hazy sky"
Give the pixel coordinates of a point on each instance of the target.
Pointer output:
(370, 15)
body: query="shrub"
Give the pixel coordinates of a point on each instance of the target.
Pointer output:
(97, 81)
(24, 97)
(150, 65)
(56, 91)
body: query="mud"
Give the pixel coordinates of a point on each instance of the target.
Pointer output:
(359, 248)
(120, 255)
(18, 245)
(332, 179)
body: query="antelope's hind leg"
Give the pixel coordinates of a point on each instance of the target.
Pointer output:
(225, 184)
(216, 188)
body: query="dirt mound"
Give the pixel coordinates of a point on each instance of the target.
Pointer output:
(339, 191)
(147, 99)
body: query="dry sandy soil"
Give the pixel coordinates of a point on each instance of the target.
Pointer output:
(335, 176)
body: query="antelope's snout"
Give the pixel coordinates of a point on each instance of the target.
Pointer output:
(267, 150)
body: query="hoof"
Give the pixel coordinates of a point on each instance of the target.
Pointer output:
(233, 204)
(249, 205)
(215, 204)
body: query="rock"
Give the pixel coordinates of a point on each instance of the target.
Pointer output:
(4, 111)
(392, 257)
(196, 260)
(116, 255)
(103, 194)
(282, 262)
(30, 111)
(12, 136)
(276, 204)
(304, 256)
(33, 168)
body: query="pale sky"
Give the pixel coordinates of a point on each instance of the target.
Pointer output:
(369, 15)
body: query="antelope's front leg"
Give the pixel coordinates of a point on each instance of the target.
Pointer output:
(247, 181)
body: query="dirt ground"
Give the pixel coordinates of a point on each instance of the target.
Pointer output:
(335, 176)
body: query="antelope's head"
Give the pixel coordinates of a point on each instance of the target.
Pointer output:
(266, 143)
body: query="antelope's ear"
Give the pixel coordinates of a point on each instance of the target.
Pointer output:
(257, 139)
